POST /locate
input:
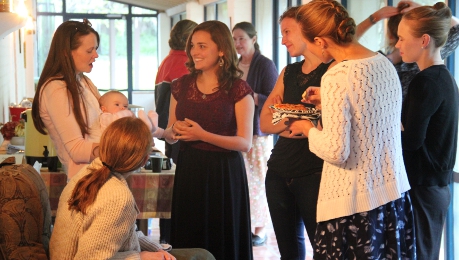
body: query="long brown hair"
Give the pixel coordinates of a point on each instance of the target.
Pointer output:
(123, 148)
(60, 65)
(221, 35)
(326, 18)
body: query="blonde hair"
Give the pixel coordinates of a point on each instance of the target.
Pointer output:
(124, 145)
(432, 20)
(326, 18)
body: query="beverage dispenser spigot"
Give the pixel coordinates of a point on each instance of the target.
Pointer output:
(38, 147)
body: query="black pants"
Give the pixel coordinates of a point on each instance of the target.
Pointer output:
(430, 206)
(292, 204)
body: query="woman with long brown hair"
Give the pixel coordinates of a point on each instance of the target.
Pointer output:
(211, 114)
(66, 101)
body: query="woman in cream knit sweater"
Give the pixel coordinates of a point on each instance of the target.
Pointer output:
(97, 211)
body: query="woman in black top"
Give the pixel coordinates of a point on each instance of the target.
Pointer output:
(430, 123)
(293, 177)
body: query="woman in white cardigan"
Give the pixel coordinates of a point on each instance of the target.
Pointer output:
(364, 210)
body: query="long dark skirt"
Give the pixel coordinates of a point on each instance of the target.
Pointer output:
(210, 204)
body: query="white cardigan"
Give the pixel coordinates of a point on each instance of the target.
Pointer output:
(361, 139)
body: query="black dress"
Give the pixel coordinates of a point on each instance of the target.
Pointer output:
(210, 205)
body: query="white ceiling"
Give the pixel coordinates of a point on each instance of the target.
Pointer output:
(160, 5)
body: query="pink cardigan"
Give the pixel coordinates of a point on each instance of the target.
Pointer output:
(73, 149)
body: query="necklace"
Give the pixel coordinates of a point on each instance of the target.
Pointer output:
(204, 96)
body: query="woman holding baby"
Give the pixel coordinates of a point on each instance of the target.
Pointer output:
(66, 101)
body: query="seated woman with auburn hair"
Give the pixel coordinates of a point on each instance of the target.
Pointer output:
(97, 211)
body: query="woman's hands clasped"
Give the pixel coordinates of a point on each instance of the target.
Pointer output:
(187, 130)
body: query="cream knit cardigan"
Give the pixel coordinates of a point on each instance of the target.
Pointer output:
(361, 140)
(107, 231)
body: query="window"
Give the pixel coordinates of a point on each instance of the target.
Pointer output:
(176, 18)
(217, 11)
(95, 7)
(268, 28)
(51, 6)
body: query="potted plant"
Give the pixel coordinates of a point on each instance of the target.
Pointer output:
(13, 131)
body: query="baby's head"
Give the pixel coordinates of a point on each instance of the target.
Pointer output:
(113, 101)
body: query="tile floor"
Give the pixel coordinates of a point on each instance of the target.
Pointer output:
(268, 251)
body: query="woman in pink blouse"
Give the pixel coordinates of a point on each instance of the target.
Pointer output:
(66, 101)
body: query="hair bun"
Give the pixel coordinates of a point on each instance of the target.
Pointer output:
(439, 5)
(346, 30)
(442, 9)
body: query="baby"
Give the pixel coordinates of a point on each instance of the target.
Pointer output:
(114, 105)
(113, 101)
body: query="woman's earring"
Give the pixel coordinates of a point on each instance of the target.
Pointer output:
(221, 61)
(323, 52)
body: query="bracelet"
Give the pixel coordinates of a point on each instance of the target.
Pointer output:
(372, 19)
(168, 140)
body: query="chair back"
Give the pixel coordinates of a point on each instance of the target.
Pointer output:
(25, 213)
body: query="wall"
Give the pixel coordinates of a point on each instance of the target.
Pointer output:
(239, 10)
(12, 73)
(6, 79)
